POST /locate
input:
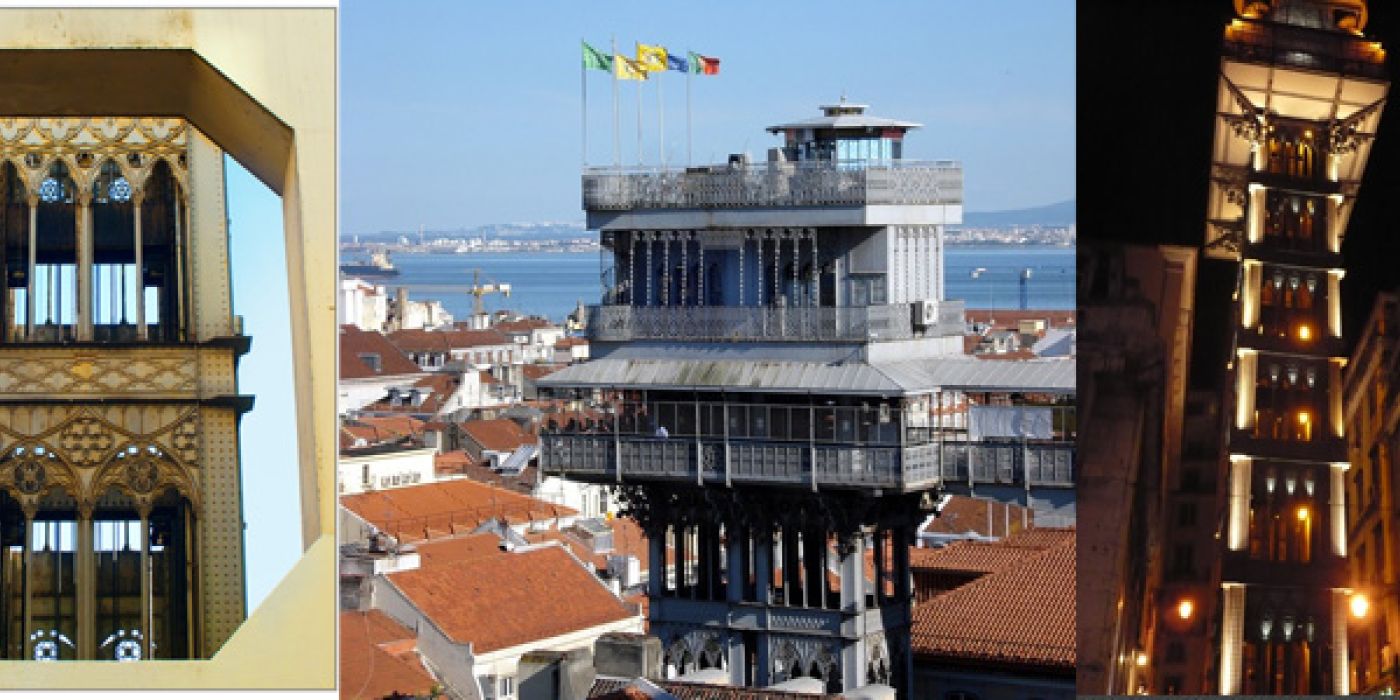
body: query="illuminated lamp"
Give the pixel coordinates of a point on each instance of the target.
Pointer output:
(1185, 609)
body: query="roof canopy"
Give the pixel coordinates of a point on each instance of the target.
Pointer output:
(845, 116)
(887, 378)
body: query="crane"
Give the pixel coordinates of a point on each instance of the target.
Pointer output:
(479, 290)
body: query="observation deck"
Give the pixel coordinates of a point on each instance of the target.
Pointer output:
(777, 183)
(1296, 46)
(613, 459)
(621, 322)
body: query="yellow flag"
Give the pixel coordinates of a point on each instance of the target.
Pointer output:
(652, 58)
(625, 68)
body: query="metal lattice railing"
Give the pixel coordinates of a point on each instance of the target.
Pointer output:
(1049, 465)
(768, 323)
(779, 184)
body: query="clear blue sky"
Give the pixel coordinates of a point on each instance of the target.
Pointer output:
(457, 114)
(271, 504)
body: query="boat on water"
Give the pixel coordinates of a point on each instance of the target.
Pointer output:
(378, 265)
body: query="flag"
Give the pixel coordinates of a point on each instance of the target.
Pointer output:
(595, 59)
(674, 62)
(703, 65)
(651, 58)
(625, 68)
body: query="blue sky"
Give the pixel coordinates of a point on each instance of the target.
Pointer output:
(268, 440)
(458, 114)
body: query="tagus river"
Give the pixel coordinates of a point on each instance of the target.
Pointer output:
(551, 284)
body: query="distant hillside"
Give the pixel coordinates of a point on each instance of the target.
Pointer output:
(1057, 214)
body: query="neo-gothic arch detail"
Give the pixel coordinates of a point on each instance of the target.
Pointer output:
(83, 144)
(29, 470)
(143, 470)
(86, 441)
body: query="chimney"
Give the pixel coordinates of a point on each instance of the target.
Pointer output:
(623, 655)
(401, 307)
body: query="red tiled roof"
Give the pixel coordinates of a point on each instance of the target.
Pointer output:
(498, 434)
(438, 387)
(570, 341)
(1021, 613)
(523, 325)
(964, 514)
(356, 343)
(1013, 355)
(377, 657)
(524, 482)
(415, 513)
(539, 370)
(404, 426)
(454, 462)
(1011, 318)
(377, 430)
(443, 341)
(454, 549)
(511, 598)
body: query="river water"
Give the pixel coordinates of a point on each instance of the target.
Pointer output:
(550, 284)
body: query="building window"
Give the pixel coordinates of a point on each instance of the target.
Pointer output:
(372, 360)
(1183, 560)
(507, 687)
(1186, 515)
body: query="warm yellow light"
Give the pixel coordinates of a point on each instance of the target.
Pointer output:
(1303, 513)
(1304, 417)
(1359, 606)
(1304, 332)
(1141, 658)
(1185, 608)
(1307, 134)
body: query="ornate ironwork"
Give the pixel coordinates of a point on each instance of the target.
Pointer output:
(1230, 236)
(768, 323)
(774, 185)
(1252, 122)
(1234, 181)
(1345, 136)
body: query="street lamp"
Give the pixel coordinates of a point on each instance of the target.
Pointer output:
(1359, 605)
(1185, 609)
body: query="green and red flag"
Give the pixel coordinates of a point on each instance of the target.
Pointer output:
(703, 65)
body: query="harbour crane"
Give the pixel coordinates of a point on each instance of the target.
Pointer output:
(479, 290)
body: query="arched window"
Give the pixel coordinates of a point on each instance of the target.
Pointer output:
(115, 296)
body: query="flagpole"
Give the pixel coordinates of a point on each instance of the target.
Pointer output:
(583, 113)
(688, 71)
(661, 121)
(639, 116)
(617, 149)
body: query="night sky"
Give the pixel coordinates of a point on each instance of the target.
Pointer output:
(1146, 93)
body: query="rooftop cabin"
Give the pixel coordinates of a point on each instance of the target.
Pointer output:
(1308, 34)
(835, 239)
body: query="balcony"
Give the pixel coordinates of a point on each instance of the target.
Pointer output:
(1304, 47)
(779, 184)
(620, 323)
(605, 458)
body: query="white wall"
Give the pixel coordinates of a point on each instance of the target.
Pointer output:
(355, 394)
(583, 498)
(387, 471)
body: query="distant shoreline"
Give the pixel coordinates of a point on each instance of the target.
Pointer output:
(400, 251)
